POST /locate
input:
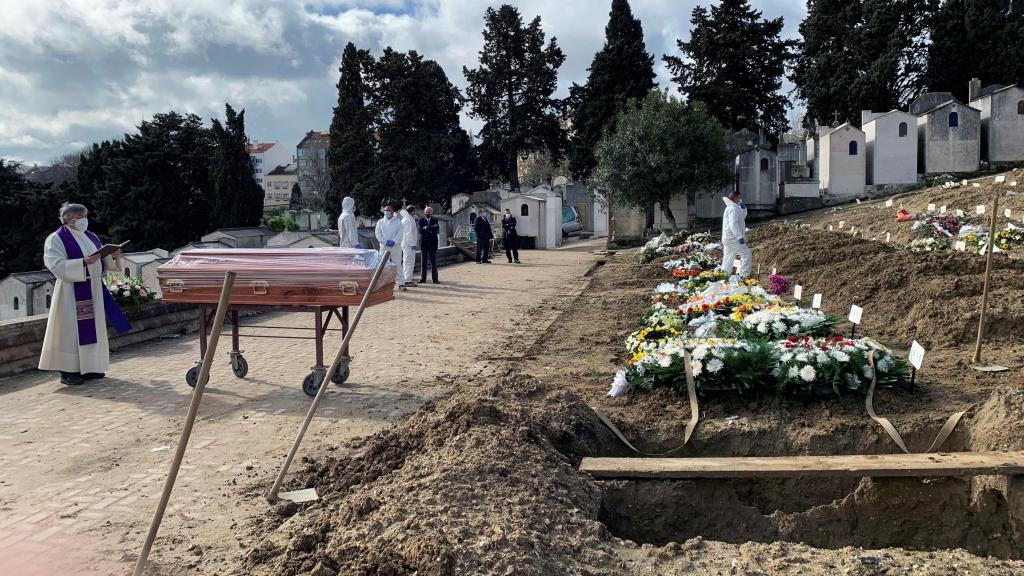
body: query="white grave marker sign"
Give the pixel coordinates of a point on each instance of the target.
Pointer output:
(798, 291)
(980, 209)
(931, 207)
(855, 313)
(816, 301)
(916, 355)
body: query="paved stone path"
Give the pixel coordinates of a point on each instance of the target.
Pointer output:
(81, 468)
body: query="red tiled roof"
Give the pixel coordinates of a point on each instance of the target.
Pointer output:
(259, 147)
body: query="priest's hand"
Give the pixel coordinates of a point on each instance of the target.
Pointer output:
(91, 259)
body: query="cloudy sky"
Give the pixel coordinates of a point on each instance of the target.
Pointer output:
(73, 72)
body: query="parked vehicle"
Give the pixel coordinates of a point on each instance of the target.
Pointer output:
(570, 221)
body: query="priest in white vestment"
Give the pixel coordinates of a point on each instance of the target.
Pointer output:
(76, 332)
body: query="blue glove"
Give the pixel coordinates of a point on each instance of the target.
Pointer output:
(358, 245)
(413, 247)
(390, 243)
(742, 205)
(742, 241)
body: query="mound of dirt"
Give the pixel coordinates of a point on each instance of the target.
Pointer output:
(483, 482)
(931, 297)
(486, 482)
(873, 219)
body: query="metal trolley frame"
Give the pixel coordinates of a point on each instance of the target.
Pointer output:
(322, 316)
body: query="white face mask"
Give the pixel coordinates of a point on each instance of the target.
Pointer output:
(81, 224)
(389, 215)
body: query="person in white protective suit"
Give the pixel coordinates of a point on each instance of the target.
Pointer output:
(389, 234)
(348, 232)
(410, 237)
(734, 233)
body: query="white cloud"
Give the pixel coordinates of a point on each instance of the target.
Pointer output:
(75, 71)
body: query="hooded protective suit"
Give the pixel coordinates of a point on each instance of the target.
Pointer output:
(734, 232)
(347, 230)
(391, 229)
(410, 236)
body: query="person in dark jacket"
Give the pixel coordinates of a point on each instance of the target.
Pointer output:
(484, 234)
(428, 244)
(510, 237)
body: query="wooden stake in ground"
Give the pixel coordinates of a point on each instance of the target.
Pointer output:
(272, 494)
(977, 365)
(186, 431)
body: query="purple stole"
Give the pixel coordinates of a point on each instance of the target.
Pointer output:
(83, 293)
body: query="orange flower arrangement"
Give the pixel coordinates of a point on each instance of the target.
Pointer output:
(677, 273)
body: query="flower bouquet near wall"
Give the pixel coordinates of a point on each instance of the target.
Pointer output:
(129, 292)
(778, 284)
(655, 247)
(1012, 237)
(679, 243)
(940, 226)
(703, 238)
(693, 261)
(826, 366)
(718, 364)
(929, 244)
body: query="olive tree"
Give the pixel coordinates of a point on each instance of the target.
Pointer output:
(661, 149)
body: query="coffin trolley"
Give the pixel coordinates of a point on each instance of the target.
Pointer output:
(324, 281)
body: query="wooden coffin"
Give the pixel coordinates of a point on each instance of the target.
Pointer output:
(277, 277)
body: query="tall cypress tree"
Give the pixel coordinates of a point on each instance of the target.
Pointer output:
(512, 92)
(621, 71)
(350, 154)
(238, 198)
(975, 39)
(734, 63)
(416, 115)
(860, 54)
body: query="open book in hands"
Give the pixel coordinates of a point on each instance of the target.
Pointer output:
(109, 249)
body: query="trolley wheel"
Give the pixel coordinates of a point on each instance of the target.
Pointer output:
(341, 375)
(311, 384)
(192, 376)
(240, 367)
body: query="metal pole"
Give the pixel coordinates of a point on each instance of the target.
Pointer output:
(988, 276)
(342, 350)
(193, 408)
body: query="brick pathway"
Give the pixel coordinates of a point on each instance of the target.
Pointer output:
(81, 468)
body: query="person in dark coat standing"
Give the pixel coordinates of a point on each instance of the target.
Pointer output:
(428, 244)
(510, 236)
(484, 234)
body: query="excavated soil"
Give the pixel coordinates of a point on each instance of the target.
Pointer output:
(486, 482)
(873, 218)
(931, 297)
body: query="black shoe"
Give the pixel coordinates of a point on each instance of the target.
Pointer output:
(423, 281)
(509, 261)
(486, 261)
(71, 378)
(518, 262)
(93, 375)
(437, 281)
